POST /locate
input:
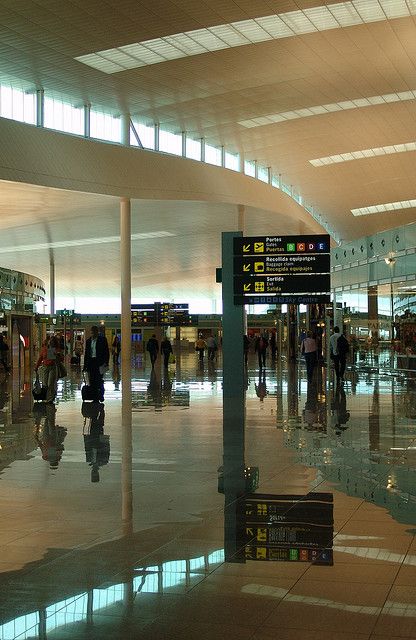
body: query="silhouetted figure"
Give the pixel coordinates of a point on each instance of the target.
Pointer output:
(260, 347)
(96, 443)
(309, 350)
(153, 348)
(96, 358)
(166, 350)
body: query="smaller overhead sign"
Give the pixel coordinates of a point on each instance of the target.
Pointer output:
(282, 264)
(282, 284)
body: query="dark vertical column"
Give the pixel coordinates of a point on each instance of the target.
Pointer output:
(233, 405)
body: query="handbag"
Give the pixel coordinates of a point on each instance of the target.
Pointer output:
(61, 369)
(38, 391)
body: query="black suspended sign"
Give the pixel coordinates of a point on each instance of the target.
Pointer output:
(161, 314)
(282, 284)
(276, 267)
(289, 528)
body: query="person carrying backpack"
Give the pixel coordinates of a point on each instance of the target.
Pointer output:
(339, 350)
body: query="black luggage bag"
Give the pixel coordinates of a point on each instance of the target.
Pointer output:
(89, 393)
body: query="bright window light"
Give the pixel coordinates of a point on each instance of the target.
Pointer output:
(249, 168)
(63, 116)
(193, 149)
(263, 174)
(380, 208)
(232, 161)
(170, 142)
(212, 155)
(146, 134)
(236, 34)
(17, 105)
(364, 153)
(105, 126)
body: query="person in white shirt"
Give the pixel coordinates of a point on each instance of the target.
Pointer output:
(310, 351)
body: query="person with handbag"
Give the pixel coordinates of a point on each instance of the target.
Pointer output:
(49, 356)
(166, 350)
(96, 359)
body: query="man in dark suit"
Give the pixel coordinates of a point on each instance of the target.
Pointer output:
(96, 358)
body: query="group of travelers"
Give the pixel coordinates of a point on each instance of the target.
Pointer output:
(339, 349)
(152, 347)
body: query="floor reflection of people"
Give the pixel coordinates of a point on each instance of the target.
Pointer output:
(154, 389)
(116, 377)
(310, 413)
(339, 410)
(48, 435)
(212, 371)
(166, 387)
(261, 388)
(96, 443)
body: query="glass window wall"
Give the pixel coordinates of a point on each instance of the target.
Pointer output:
(104, 126)
(63, 116)
(170, 142)
(146, 134)
(193, 149)
(212, 155)
(232, 161)
(17, 104)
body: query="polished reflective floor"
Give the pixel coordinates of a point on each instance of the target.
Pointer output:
(303, 530)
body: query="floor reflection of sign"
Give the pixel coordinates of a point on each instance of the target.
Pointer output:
(290, 528)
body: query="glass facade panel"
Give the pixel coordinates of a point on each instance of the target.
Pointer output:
(232, 161)
(212, 155)
(170, 142)
(249, 168)
(193, 149)
(63, 116)
(105, 126)
(263, 174)
(146, 134)
(17, 105)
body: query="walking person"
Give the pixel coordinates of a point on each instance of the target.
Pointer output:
(96, 359)
(260, 346)
(309, 349)
(115, 350)
(49, 356)
(212, 347)
(339, 347)
(200, 346)
(153, 348)
(4, 351)
(166, 350)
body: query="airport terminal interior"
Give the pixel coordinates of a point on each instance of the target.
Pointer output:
(235, 178)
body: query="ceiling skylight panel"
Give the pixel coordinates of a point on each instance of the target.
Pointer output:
(185, 44)
(381, 208)
(390, 97)
(207, 39)
(395, 8)
(357, 155)
(252, 31)
(119, 57)
(318, 110)
(376, 100)
(230, 36)
(275, 26)
(345, 157)
(321, 17)
(333, 106)
(106, 65)
(346, 104)
(369, 10)
(361, 102)
(298, 22)
(304, 113)
(289, 115)
(405, 95)
(345, 14)
(276, 117)
(164, 49)
(262, 120)
(142, 54)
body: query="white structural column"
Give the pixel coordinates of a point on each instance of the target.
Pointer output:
(126, 405)
(40, 107)
(125, 129)
(52, 285)
(87, 120)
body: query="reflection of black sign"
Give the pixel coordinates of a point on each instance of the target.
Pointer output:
(282, 284)
(283, 264)
(281, 245)
(289, 527)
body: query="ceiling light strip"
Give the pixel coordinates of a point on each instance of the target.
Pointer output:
(381, 208)
(345, 105)
(363, 153)
(243, 32)
(85, 241)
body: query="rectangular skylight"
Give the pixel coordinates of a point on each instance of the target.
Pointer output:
(381, 208)
(357, 103)
(363, 153)
(242, 32)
